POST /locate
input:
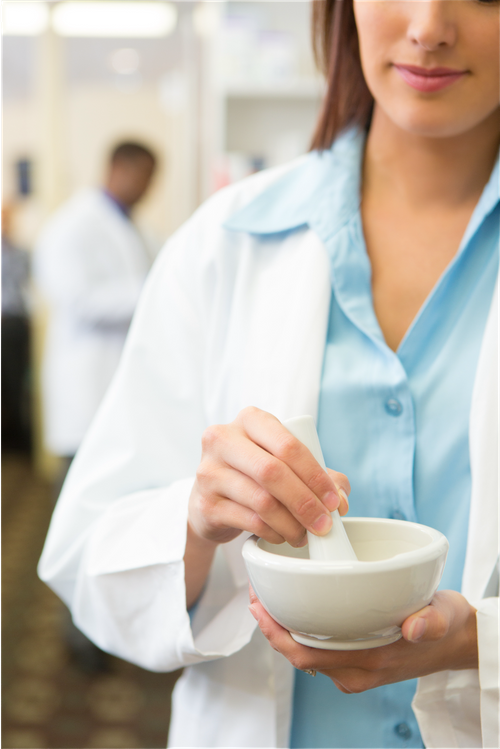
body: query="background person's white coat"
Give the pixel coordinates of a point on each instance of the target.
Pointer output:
(229, 320)
(90, 265)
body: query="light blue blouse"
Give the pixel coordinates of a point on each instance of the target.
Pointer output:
(395, 423)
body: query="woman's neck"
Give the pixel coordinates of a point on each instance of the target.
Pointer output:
(428, 171)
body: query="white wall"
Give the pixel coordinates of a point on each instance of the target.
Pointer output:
(96, 117)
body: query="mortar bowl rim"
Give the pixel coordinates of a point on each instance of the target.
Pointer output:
(255, 554)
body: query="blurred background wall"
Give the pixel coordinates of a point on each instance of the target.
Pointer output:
(218, 89)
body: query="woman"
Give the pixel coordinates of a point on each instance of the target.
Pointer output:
(356, 284)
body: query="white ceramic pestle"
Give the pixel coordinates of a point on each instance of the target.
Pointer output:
(335, 546)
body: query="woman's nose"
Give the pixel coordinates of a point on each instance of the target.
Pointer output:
(432, 24)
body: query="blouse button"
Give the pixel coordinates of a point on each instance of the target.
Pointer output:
(393, 407)
(403, 730)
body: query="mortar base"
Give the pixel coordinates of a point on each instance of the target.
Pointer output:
(332, 644)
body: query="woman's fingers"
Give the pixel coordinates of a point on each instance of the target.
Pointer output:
(276, 479)
(265, 430)
(426, 624)
(257, 464)
(300, 656)
(430, 623)
(351, 671)
(343, 488)
(286, 474)
(222, 520)
(448, 641)
(279, 638)
(433, 622)
(229, 484)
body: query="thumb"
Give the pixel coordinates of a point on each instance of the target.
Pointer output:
(432, 622)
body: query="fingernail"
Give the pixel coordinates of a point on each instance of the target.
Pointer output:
(253, 612)
(331, 501)
(322, 525)
(417, 629)
(343, 495)
(302, 543)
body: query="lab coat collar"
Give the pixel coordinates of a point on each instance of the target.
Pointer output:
(322, 191)
(122, 208)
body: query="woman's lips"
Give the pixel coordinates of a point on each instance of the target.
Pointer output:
(429, 79)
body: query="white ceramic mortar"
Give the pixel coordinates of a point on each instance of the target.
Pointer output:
(350, 605)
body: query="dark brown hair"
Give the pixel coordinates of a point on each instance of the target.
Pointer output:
(130, 150)
(336, 50)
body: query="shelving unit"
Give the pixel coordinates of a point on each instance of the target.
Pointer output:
(256, 116)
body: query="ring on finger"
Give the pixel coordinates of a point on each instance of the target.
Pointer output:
(310, 671)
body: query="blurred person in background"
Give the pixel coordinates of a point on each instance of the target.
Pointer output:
(90, 263)
(357, 284)
(16, 427)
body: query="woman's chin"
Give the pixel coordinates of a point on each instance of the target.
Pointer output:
(433, 122)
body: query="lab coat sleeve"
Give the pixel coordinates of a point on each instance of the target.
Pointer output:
(74, 271)
(460, 708)
(114, 552)
(488, 630)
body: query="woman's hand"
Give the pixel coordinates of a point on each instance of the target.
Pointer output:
(255, 476)
(439, 637)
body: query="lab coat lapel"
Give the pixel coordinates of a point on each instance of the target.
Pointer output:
(483, 540)
(279, 337)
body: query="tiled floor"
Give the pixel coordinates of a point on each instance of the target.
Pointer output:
(48, 702)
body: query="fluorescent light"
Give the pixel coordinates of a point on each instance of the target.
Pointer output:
(105, 18)
(21, 18)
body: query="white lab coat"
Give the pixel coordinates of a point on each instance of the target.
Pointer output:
(90, 265)
(229, 320)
